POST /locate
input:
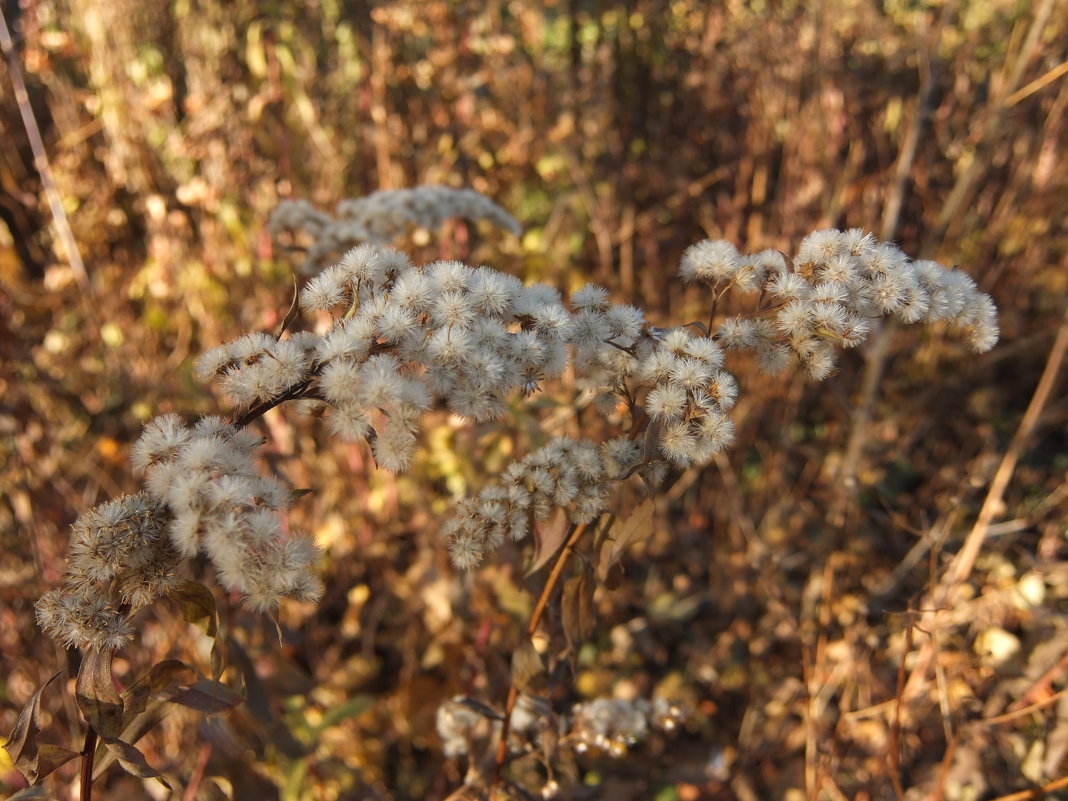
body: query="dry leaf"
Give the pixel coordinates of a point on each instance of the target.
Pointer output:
(549, 535)
(207, 696)
(625, 531)
(160, 678)
(132, 760)
(198, 605)
(103, 708)
(528, 671)
(26, 754)
(96, 694)
(577, 613)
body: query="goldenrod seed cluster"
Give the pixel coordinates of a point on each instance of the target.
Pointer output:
(121, 559)
(838, 282)
(381, 217)
(203, 495)
(404, 339)
(609, 726)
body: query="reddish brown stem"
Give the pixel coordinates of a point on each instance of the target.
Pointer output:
(88, 758)
(532, 627)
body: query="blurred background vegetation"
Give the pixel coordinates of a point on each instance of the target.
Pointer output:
(775, 595)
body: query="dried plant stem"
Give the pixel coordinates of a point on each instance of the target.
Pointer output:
(198, 773)
(875, 358)
(943, 772)
(1037, 792)
(258, 411)
(962, 563)
(961, 566)
(970, 178)
(1020, 712)
(40, 161)
(895, 723)
(1038, 83)
(532, 627)
(88, 758)
(1042, 690)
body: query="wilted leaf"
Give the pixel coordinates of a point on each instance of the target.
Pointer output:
(198, 605)
(577, 613)
(638, 525)
(218, 656)
(96, 694)
(528, 671)
(22, 743)
(132, 760)
(103, 708)
(476, 706)
(549, 535)
(291, 315)
(160, 678)
(613, 577)
(51, 757)
(207, 696)
(136, 728)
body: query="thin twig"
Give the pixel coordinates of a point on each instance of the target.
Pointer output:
(943, 771)
(40, 160)
(532, 628)
(1043, 687)
(895, 723)
(191, 789)
(1037, 792)
(1038, 83)
(1013, 714)
(961, 566)
(298, 390)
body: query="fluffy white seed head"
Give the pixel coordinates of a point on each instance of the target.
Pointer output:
(710, 262)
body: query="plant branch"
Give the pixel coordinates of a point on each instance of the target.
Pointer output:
(259, 410)
(961, 566)
(88, 758)
(532, 627)
(40, 161)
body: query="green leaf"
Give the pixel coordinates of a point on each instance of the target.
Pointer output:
(354, 707)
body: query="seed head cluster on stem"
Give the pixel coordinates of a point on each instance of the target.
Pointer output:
(404, 339)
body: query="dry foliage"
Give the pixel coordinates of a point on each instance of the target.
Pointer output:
(811, 599)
